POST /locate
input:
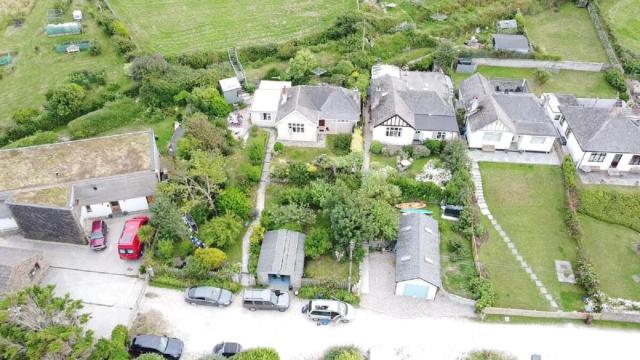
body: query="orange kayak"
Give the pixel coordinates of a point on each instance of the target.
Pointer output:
(411, 205)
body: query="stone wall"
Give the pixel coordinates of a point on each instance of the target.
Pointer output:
(21, 275)
(48, 223)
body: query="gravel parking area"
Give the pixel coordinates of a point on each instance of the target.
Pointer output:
(297, 338)
(108, 287)
(381, 295)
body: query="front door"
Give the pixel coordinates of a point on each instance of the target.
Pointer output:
(616, 161)
(115, 208)
(321, 125)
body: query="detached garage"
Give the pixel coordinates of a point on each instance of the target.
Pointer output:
(418, 257)
(281, 261)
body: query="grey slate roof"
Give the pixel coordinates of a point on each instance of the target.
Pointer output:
(507, 42)
(603, 130)
(282, 253)
(422, 99)
(321, 102)
(114, 188)
(418, 249)
(521, 113)
(9, 259)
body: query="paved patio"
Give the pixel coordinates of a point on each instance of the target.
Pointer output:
(602, 177)
(515, 157)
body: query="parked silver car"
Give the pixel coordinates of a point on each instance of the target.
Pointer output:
(329, 310)
(206, 295)
(265, 299)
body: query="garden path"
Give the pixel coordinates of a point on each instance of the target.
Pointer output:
(484, 209)
(260, 197)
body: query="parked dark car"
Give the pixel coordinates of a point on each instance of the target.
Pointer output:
(265, 299)
(167, 347)
(98, 236)
(227, 349)
(207, 295)
(191, 224)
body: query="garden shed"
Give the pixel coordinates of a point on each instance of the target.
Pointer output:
(71, 28)
(231, 90)
(281, 260)
(6, 59)
(418, 257)
(20, 268)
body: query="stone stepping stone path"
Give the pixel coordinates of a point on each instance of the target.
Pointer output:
(484, 209)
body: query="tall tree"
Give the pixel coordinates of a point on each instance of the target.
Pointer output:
(36, 324)
(300, 66)
(204, 176)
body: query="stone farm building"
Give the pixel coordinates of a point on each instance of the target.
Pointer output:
(48, 191)
(20, 268)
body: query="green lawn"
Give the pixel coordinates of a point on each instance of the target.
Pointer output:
(579, 83)
(610, 250)
(327, 268)
(567, 32)
(37, 67)
(624, 18)
(172, 27)
(528, 201)
(514, 288)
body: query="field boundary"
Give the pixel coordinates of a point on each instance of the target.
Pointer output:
(604, 37)
(574, 315)
(539, 64)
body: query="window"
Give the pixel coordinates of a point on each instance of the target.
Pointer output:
(492, 136)
(635, 160)
(557, 117)
(393, 132)
(88, 208)
(266, 116)
(114, 203)
(561, 120)
(441, 135)
(567, 132)
(597, 157)
(538, 140)
(296, 128)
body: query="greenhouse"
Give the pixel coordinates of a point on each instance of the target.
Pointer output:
(6, 59)
(71, 28)
(70, 45)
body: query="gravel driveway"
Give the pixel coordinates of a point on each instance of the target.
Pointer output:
(108, 287)
(381, 295)
(297, 338)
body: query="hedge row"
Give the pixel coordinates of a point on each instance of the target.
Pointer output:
(328, 292)
(170, 282)
(111, 116)
(611, 205)
(39, 138)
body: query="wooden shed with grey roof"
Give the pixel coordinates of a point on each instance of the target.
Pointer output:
(418, 257)
(281, 261)
(20, 268)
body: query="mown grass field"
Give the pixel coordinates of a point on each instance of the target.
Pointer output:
(579, 83)
(528, 201)
(567, 32)
(172, 27)
(624, 18)
(37, 67)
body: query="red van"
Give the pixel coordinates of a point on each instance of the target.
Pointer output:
(129, 245)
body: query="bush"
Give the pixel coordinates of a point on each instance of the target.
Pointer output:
(299, 174)
(165, 249)
(233, 201)
(113, 115)
(343, 353)
(376, 147)
(273, 73)
(145, 234)
(278, 147)
(318, 243)
(413, 190)
(434, 146)
(211, 258)
(328, 292)
(221, 231)
(421, 152)
(292, 217)
(39, 138)
(341, 144)
(611, 205)
(256, 153)
(95, 49)
(123, 45)
(257, 354)
(253, 173)
(541, 76)
(119, 28)
(615, 78)
(209, 101)
(64, 103)
(150, 356)
(484, 293)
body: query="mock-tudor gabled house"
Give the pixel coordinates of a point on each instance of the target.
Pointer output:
(601, 135)
(502, 115)
(307, 111)
(411, 106)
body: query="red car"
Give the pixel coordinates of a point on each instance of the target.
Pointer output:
(98, 237)
(129, 245)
